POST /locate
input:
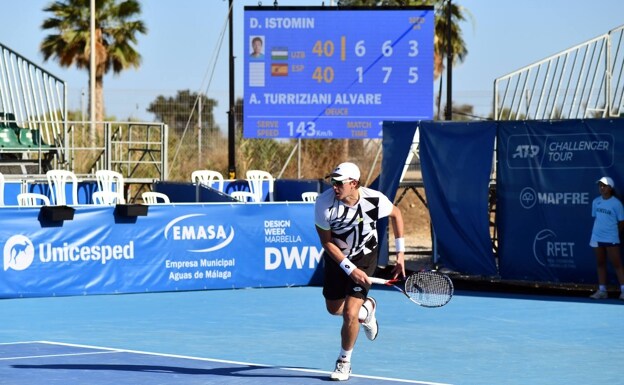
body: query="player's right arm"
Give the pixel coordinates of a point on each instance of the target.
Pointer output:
(357, 275)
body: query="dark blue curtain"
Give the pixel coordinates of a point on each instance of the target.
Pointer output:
(456, 160)
(397, 140)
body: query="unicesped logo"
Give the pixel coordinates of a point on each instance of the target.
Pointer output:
(19, 253)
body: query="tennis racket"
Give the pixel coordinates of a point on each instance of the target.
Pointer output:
(424, 288)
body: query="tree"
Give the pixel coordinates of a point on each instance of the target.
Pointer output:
(116, 28)
(182, 110)
(440, 29)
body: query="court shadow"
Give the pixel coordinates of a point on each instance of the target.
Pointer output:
(238, 371)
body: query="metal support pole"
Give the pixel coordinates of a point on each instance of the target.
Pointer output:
(92, 70)
(199, 133)
(231, 120)
(449, 65)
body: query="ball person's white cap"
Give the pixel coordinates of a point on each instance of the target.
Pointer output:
(344, 171)
(606, 180)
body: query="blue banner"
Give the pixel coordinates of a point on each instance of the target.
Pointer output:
(179, 247)
(456, 160)
(547, 173)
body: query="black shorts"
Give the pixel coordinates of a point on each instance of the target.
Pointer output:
(338, 285)
(607, 244)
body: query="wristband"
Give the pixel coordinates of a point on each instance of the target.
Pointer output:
(347, 266)
(399, 244)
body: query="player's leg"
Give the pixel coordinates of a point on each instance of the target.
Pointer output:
(335, 283)
(348, 336)
(601, 268)
(350, 322)
(334, 290)
(366, 316)
(613, 254)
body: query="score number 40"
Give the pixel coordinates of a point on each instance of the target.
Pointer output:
(327, 49)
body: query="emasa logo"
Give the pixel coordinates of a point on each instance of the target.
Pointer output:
(19, 253)
(193, 230)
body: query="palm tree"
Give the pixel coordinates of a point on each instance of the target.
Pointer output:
(116, 28)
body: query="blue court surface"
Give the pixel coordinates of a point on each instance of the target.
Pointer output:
(285, 336)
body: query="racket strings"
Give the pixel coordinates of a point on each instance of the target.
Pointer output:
(429, 289)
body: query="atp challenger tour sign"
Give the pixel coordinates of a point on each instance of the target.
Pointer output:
(546, 182)
(327, 73)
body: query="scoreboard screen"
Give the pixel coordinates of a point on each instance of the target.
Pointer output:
(335, 73)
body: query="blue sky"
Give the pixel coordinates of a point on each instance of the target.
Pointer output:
(181, 49)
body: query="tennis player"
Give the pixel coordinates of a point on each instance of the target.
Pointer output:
(608, 216)
(346, 221)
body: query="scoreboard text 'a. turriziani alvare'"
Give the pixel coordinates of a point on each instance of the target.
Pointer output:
(327, 73)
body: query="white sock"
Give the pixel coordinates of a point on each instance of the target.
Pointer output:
(345, 355)
(622, 288)
(602, 287)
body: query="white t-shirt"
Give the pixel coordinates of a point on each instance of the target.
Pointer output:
(608, 212)
(354, 228)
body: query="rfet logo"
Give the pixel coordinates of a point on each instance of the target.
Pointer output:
(19, 253)
(550, 251)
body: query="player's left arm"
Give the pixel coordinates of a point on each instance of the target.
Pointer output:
(620, 218)
(396, 220)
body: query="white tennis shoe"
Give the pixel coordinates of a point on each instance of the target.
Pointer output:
(600, 294)
(371, 328)
(342, 371)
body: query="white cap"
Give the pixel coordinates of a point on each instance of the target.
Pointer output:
(344, 171)
(606, 180)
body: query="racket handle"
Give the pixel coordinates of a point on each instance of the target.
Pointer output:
(379, 281)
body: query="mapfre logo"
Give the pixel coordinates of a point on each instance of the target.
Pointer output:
(19, 253)
(528, 197)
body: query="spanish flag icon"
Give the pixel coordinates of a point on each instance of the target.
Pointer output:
(279, 69)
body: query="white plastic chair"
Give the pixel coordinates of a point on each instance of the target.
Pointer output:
(106, 198)
(153, 197)
(244, 196)
(111, 181)
(32, 199)
(57, 182)
(208, 178)
(309, 196)
(255, 178)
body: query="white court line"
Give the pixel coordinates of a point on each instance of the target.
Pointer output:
(58, 355)
(111, 350)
